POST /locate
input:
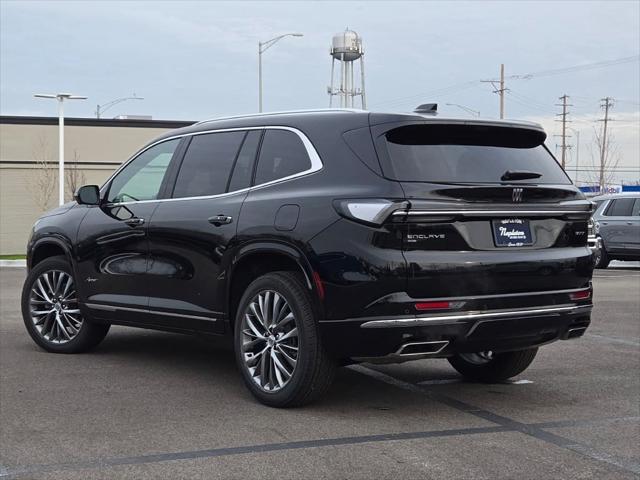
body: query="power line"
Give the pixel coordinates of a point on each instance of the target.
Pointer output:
(528, 103)
(437, 92)
(541, 73)
(576, 68)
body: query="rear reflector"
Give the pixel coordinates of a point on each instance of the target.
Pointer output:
(432, 306)
(581, 295)
(319, 285)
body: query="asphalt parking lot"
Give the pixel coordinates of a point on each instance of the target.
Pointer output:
(159, 405)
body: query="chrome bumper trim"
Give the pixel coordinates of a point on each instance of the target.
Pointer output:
(454, 318)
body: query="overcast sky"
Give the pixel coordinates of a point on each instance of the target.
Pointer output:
(195, 60)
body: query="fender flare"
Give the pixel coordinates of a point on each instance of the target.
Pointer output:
(58, 241)
(269, 247)
(274, 247)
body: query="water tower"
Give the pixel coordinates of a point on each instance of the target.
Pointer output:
(346, 48)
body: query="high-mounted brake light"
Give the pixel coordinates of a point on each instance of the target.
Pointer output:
(581, 295)
(370, 211)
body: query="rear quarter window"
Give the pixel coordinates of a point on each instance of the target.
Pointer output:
(466, 154)
(620, 207)
(282, 154)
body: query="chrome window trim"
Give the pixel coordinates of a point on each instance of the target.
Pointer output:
(316, 163)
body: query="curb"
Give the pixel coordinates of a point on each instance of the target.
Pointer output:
(13, 263)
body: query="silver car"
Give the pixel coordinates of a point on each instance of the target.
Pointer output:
(614, 232)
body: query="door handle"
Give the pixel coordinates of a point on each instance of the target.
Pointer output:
(218, 220)
(134, 222)
(629, 223)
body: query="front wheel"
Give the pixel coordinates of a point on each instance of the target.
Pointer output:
(277, 342)
(490, 367)
(51, 312)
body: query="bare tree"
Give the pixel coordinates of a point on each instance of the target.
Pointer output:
(43, 183)
(74, 176)
(605, 156)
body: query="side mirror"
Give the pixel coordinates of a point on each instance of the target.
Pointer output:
(88, 195)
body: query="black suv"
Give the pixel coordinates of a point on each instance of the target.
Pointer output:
(322, 238)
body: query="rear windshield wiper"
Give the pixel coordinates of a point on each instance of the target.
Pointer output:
(519, 175)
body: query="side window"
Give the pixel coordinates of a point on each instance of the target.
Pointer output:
(207, 164)
(620, 207)
(282, 154)
(243, 169)
(636, 208)
(142, 178)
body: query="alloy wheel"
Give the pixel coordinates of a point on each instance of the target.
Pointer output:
(53, 307)
(270, 341)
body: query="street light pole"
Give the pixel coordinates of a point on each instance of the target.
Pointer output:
(466, 109)
(100, 109)
(263, 47)
(60, 97)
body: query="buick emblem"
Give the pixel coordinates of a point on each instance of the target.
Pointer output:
(516, 195)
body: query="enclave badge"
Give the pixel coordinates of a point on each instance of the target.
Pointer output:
(516, 195)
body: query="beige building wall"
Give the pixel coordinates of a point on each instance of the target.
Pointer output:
(29, 167)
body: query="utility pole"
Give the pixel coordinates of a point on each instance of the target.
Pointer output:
(607, 104)
(564, 121)
(499, 88)
(502, 90)
(577, 132)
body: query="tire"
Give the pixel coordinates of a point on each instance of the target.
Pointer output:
(601, 259)
(499, 367)
(280, 382)
(63, 329)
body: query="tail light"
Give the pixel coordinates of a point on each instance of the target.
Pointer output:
(372, 212)
(581, 295)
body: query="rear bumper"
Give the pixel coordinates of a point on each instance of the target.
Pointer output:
(441, 335)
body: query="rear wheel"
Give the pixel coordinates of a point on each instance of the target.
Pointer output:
(490, 367)
(51, 312)
(600, 257)
(277, 342)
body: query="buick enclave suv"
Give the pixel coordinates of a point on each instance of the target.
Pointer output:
(317, 239)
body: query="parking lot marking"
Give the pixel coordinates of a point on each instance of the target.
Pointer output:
(510, 424)
(517, 382)
(444, 381)
(613, 339)
(263, 448)
(629, 275)
(7, 473)
(583, 422)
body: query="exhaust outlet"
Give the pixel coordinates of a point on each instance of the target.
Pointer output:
(575, 332)
(422, 348)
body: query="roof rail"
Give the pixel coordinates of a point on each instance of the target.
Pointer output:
(249, 115)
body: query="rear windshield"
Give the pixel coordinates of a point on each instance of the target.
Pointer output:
(466, 154)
